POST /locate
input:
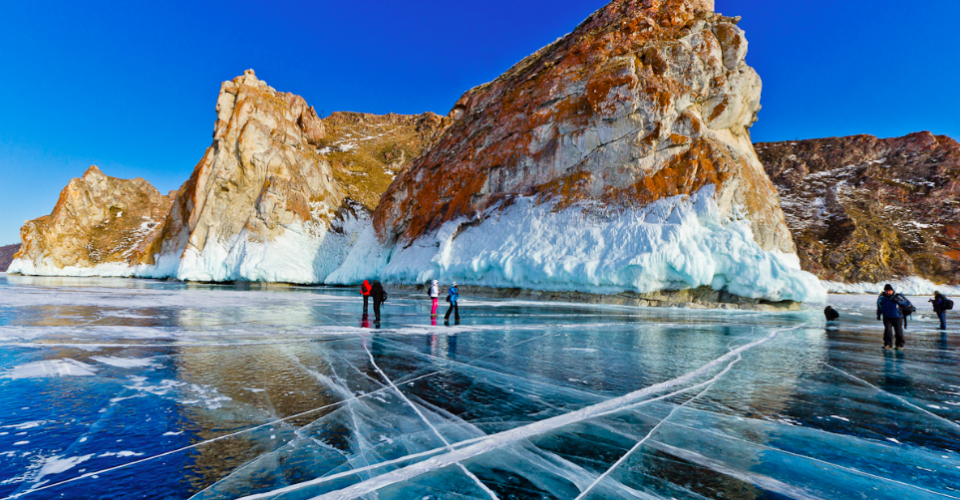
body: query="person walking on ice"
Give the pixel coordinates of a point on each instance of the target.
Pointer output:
(889, 309)
(379, 296)
(940, 306)
(452, 297)
(434, 297)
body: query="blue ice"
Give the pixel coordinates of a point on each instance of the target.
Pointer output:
(113, 388)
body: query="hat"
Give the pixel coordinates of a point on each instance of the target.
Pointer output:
(454, 283)
(887, 287)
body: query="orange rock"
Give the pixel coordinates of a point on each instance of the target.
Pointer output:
(99, 221)
(646, 99)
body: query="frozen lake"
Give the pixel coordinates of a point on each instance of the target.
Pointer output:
(140, 389)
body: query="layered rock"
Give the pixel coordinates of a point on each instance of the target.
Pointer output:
(616, 159)
(6, 256)
(868, 210)
(280, 195)
(100, 226)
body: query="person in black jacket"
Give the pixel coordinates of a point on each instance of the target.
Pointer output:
(940, 307)
(379, 296)
(888, 308)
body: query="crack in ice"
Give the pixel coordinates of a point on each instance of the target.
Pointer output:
(635, 447)
(403, 396)
(478, 446)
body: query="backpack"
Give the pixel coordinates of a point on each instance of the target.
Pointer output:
(948, 304)
(907, 310)
(384, 299)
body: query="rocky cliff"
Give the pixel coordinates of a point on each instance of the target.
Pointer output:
(100, 226)
(616, 159)
(280, 195)
(261, 203)
(863, 209)
(6, 256)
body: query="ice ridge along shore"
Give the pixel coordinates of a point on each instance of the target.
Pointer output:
(673, 244)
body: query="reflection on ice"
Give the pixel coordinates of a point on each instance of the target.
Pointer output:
(112, 387)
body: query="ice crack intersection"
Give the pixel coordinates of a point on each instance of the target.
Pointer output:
(424, 418)
(499, 440)
(708, 384)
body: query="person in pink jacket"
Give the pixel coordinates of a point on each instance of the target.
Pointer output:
(435, 296)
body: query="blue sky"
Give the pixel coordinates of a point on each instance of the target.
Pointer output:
(131, 86)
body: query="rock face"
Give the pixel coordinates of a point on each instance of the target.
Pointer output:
(261, 191)
(367, 151)
(616, 159)
(863, 209)
(6, 256)
(100, 226)
(280, 195)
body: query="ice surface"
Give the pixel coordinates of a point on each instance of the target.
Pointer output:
(674, 243)
(124, 362)
(224, 392)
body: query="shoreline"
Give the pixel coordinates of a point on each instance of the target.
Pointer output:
(703, 297)
(693, 298)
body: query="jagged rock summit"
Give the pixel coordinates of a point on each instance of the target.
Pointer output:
(263, 204)
(260, 204)
(865, 210)
(616, 159)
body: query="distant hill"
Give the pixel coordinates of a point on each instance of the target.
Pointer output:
(6, 256)
(863, 209)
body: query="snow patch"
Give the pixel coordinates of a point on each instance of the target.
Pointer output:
(56, 465)
(52, 368)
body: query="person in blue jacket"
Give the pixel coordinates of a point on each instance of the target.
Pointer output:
(452, 297)
(888, 308)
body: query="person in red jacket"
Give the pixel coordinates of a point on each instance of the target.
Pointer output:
(365, 291)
